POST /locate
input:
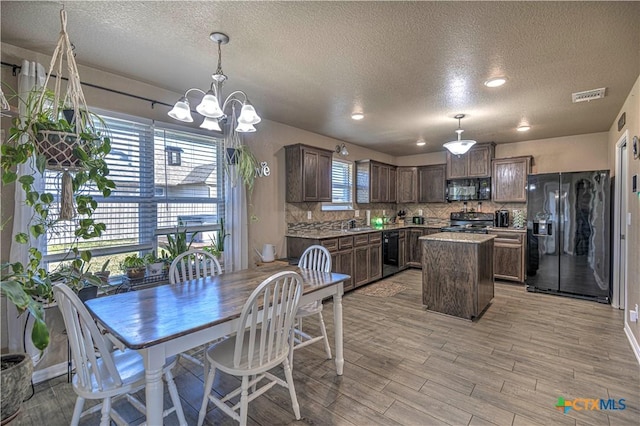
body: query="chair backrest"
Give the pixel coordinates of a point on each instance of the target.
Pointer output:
(87, 343)
(317, 258)
(192, 265)
(267, 317)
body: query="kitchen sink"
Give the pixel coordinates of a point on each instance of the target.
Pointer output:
(360, 229)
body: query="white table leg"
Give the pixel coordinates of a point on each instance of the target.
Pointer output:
(153, 363)
(337, 325)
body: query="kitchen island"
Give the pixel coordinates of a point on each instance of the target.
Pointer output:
(457, 273)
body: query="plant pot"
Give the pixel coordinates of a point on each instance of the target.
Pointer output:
(232, 157)
(155, 269)
(15, 384)
(87, 293)
(57, 147)
(136, 273)
(104, 276)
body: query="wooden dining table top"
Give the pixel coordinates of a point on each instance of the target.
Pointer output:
(144, 318)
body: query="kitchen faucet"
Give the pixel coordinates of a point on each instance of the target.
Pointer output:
(349, 223)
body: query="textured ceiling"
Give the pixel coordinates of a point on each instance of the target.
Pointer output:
(408, 66)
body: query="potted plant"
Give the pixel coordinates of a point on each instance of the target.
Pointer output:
(16, 371)
(134, 266)
(178, 243)
(104, 273)
(244, 166)
(156, 266)
(76, 274)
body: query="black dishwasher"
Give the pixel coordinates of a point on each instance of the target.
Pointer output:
(390, 262)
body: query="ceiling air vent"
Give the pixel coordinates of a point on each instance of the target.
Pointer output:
(588, 95)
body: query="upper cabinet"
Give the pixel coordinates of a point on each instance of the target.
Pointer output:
(375, 182)
(407, 185)
(308, 173)
(474, 164)
(509, 182)
(432, 184)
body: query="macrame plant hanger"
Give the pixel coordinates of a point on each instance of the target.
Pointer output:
(58, 146)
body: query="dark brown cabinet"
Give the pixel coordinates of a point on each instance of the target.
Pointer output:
(414, 247)
(407, 178)
(432, 183)
(508, 255)
(341, 250)
(308, 173)
(509, 179)
(474, 164)
(376, 182)
(402, 249)
(367, 255)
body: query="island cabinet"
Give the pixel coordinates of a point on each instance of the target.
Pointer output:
(413, 245)
(375, 182)
(457, 273)
(509, 179)
(308, 173)
(432, 183)
(474, 164)
(407, 185)
(367, 255)
(508, 254)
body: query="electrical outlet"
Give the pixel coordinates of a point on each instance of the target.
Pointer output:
(384, 212)
(309, 214)
(357, 213)
(633, 315)
(419, 212)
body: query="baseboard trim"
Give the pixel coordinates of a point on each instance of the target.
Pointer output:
(632, 341)
(49, 372)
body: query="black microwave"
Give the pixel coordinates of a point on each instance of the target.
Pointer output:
(468, 189)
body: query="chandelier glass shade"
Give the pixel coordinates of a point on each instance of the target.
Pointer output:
(211, 107)
(459, 146)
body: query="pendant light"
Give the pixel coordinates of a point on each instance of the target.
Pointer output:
(211, 107)
(460, 146)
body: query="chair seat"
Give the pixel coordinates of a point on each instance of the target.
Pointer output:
(220, 355)
(313, 308)
(130, 365)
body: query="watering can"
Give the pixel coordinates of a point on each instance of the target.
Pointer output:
(268, 253)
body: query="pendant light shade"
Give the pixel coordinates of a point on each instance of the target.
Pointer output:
(181, 111)
(248, 115)
(211, 124)
(460, 146)
(209, 106)
(245, 127)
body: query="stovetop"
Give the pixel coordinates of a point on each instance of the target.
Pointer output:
(473, 222)
(474, 229)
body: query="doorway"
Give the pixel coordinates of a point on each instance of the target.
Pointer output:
(619, 295)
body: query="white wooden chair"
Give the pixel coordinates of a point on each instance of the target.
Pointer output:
(101, 373)
(317, 258)
(261, 343)
(192, 265)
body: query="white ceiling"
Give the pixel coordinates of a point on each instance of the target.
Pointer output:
(409, 66)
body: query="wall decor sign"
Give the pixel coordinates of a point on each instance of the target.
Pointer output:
(622, 121)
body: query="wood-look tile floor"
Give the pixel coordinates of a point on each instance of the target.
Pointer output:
(406, 366)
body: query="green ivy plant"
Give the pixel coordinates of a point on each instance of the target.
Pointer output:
(29, 285)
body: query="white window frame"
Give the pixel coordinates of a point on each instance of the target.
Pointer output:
(339, 205)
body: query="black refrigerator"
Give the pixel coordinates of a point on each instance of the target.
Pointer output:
(568, 234)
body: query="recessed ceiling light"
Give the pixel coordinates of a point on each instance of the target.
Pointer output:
(421, 142)
(357, 116)
(523, 128)
(495, 82)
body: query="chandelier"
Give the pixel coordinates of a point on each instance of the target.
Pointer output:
(460, 146)
(211, 107)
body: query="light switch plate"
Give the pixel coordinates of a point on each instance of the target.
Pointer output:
(309, 214)
(357, 213)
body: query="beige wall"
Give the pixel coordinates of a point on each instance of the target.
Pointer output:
(632, 109)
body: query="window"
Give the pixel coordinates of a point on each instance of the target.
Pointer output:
(341, 186)
(153, 194)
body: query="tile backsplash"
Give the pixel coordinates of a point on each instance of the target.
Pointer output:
(297, 213)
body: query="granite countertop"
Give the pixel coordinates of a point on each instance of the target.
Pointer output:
(459, 237)
(509, 229)
(322, 234)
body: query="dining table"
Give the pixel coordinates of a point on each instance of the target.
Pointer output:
(165, 320)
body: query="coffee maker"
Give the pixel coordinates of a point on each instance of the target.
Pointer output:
(502, 218)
